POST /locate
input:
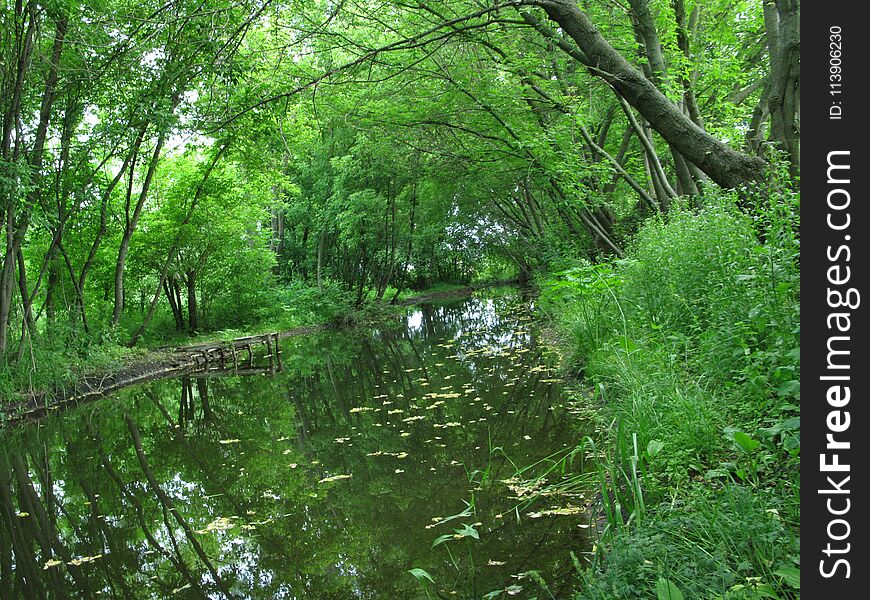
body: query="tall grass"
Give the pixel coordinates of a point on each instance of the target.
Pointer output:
(692, 346)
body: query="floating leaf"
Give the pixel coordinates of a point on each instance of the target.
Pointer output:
(219, 524)
(334, 478)
(85, 559)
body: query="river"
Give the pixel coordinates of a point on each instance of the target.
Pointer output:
(376, 459)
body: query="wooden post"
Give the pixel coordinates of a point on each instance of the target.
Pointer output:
(278, 352)
(250, 356)
(269, 351)
(235, 360)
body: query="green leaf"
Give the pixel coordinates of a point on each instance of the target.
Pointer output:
(745, 442)
(790, 575)
(467, 531)
(421, 574)
(789, 389)
(667, 590)
(654, 447)
(713, 473)
(441, 539)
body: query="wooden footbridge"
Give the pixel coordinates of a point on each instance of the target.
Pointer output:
(236, 354)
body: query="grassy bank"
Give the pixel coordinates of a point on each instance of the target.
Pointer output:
(692, 347)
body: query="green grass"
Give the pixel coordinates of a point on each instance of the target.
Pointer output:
(692, 347)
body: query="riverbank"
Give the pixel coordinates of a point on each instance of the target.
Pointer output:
(691, 348)
(133, 366)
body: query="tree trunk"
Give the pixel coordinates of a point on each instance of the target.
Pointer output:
(192, 317)
(132, 221)
(722, 164)
(782, 24)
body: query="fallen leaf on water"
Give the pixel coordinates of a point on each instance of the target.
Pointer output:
(219, 524)
(334, 478)
(566, 510)
(85, 559)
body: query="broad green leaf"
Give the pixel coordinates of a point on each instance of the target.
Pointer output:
(667, 590)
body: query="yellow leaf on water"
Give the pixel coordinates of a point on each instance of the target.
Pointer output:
(219, 524)
(85, 559)
(334, 478)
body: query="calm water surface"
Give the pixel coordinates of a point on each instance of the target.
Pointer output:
(332, 479)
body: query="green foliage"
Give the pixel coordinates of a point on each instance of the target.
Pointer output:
(692, 345)
(729, 544)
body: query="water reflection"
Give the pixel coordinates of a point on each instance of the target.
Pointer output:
(329, 480)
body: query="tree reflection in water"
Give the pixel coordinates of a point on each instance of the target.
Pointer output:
(324, 481)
